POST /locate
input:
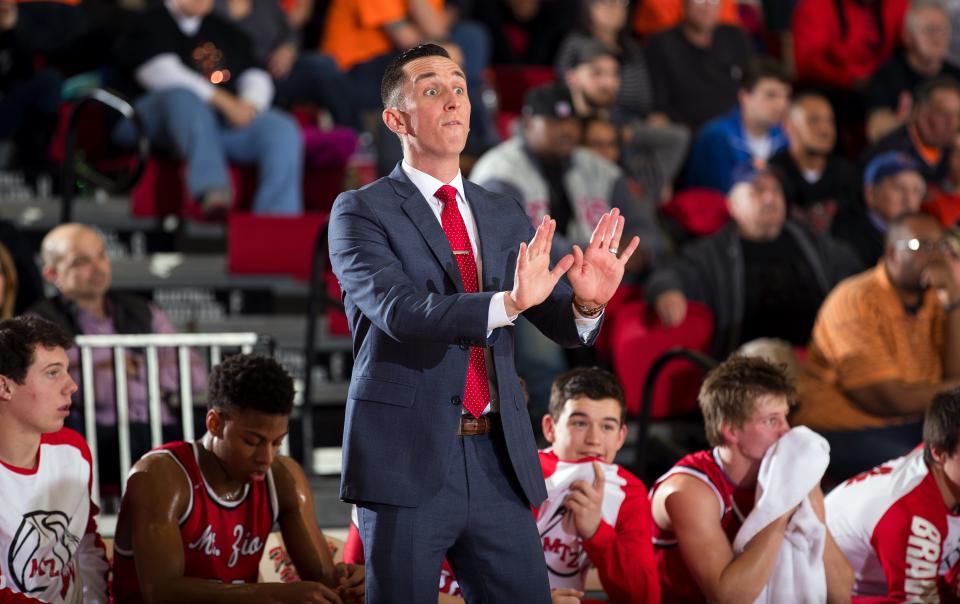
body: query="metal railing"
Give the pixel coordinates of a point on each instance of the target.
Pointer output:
(150, 343)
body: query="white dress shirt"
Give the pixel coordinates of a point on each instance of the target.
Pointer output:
(497, 311)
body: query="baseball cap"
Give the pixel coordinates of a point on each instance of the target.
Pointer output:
(888, 164)
(749, 172)
(585, 50)
(552, 100)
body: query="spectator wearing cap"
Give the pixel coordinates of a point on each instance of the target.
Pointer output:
(652, 150)
(892, 185)
(929, 132)
(604, 23)
(884, 343)
(547, 173)
(762, 275)
(816, 181)
(750, 134)
(697, 65)
(926, 41)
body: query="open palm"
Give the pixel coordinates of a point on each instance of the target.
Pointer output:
(598, 270)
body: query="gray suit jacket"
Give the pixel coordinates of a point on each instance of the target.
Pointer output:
(412, 327)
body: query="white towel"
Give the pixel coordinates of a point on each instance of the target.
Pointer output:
(791, 469)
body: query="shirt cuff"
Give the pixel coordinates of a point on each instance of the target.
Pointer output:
(602, 539)
(585, 325)
(497, 313)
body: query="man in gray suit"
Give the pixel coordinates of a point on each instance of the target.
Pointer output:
(438, 450)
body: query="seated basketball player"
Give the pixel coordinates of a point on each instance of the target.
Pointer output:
(49, 545)
(195, 516)
(745, 403)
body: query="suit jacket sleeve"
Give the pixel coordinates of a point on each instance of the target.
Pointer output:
(363, 260)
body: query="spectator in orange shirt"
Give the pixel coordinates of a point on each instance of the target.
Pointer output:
(884, 343)
(653, 17)
(943, 199)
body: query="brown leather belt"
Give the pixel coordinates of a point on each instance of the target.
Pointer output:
(472, 426)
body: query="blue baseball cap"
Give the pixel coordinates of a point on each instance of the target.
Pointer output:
(888, 164)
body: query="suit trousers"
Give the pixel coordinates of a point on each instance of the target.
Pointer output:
(479, 520)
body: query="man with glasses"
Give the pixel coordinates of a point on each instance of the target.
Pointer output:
(884, 343)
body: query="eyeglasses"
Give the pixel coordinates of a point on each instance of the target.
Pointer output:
(919, 245)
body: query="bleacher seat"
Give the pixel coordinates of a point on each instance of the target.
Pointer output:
(640, 338)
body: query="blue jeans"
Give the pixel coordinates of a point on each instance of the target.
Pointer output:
(180, 121)
(315, 77)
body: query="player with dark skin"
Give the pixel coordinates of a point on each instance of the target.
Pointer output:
(238, 448)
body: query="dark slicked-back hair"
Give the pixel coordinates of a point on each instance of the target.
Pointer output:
(19, 338)
(394, 77)
(941, 425)
(585, 382)
(251, 382)
(730, 392)
(762, 68)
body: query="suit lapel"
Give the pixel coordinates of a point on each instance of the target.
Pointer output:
(419, 212)
(486, 214)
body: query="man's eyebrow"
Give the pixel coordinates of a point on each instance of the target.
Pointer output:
(433, 74)
(424, 76)
(56, 364)
(262, 436)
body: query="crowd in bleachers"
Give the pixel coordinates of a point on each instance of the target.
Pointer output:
(792, 168)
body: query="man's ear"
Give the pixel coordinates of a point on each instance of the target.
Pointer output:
(215, 423)
(393, 118)
(7, 387)
(50, 274)
(938, 455)
(729, 434)
(622, 437)
(549, 428)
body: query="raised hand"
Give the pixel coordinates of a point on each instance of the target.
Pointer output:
(585, 503)
(598, 270)
(533, 280)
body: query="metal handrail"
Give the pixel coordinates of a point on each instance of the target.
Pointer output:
(646, 401)
(119, 343)
(71, 171)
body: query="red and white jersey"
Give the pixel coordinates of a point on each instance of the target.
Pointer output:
(734, 505)
(222, 540)
(49, 546)
(896, 531)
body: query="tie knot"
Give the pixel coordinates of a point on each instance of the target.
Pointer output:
(446, 194)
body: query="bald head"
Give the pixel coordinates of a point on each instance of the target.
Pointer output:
(75, 262)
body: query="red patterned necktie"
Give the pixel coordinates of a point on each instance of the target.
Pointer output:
(476, 396)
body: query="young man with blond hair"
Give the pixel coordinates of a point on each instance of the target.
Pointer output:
(745, 403)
